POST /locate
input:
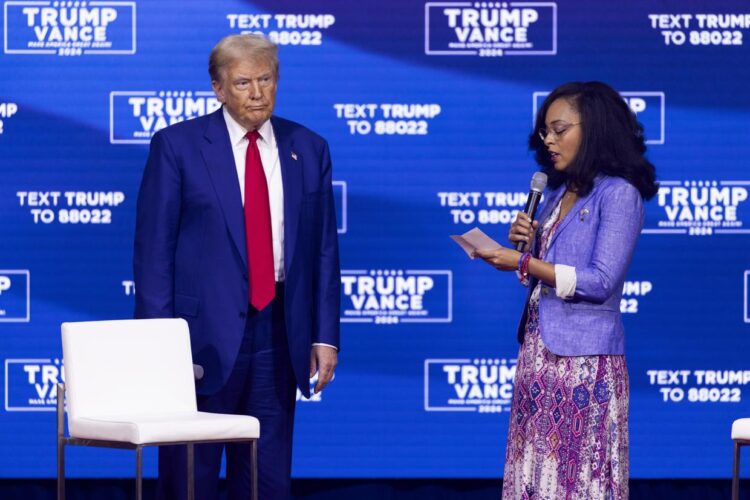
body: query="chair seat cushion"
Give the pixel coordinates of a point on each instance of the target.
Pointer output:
(165, 428)
(741, 429)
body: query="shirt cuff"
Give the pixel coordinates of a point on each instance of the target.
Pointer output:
(327, 345)
(565, 281)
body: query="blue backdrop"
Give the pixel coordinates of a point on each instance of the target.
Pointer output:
(427, 108)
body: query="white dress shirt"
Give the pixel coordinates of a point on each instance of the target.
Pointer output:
(269, 156)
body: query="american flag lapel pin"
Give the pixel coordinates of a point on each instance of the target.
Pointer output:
(294, 156)
(583, 213)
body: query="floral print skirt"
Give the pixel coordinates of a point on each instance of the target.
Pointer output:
(568, 436)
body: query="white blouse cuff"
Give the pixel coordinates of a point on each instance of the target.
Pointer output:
(565, 281)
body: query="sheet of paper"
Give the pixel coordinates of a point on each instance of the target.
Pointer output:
(475, 239)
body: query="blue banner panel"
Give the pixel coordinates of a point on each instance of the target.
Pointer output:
(427, 107)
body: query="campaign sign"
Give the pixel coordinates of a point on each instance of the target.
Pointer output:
(490, 29)
(135, 116)
(391, 296)
(483, 385)
(15, 296)
(648, 107)
(31, 384)
(69, 28)
(339, 195)
(701, 208)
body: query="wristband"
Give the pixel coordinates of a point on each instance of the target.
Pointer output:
(523, 266)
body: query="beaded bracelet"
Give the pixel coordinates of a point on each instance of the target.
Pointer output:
(520, 260)
(523, 266)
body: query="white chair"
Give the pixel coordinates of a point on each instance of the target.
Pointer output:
(130, 384)
(741, 437)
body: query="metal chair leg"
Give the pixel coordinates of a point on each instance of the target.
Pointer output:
(139, 473)
(254, 466)
(60, 408)
(190, 472)
(736, 472)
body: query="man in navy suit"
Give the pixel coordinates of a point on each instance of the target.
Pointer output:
(236, 233)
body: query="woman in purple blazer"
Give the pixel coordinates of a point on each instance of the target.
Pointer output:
(568, 435)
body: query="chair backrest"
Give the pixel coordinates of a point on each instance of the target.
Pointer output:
(127, 367)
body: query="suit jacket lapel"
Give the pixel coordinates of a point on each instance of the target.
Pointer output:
(217, 153)
(549, 204)
(551, 198)
(575, 211)
(291, 178)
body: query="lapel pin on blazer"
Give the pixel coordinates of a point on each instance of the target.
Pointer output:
(583, 213)
(294, 156)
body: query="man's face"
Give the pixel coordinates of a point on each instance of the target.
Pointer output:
(248, 91)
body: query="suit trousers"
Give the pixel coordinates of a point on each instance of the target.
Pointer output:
(262, 385)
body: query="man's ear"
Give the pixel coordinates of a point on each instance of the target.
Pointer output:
(218, 90)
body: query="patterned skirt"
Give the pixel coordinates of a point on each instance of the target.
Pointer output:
(568, 435)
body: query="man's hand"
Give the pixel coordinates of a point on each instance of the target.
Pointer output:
(323, 359)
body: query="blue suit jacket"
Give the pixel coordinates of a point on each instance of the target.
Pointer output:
(190, 259)
(597, 237)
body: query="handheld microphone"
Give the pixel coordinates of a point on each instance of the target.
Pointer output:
(538, 183)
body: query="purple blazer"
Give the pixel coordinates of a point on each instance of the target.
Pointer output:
(597, 237)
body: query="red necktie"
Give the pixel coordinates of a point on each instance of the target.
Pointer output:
(258, 227)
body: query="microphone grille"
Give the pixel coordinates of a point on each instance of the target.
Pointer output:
(539, 181)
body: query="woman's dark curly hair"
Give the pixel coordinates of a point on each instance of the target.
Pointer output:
(612, 140)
